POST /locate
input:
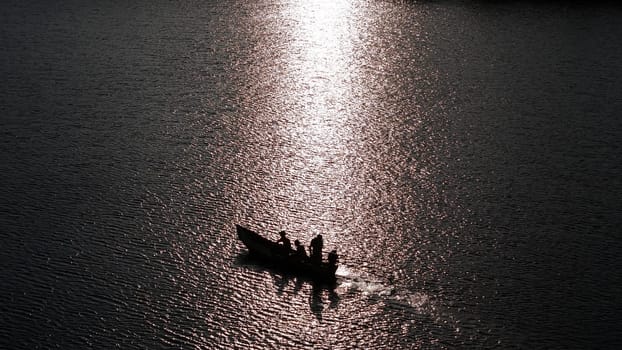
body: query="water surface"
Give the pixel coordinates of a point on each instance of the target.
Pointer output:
(463, 157)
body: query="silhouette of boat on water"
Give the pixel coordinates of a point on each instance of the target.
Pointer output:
(284, 259)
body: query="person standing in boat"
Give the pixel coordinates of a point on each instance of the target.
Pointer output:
(317, 244)
(300, 250)
(287, 244)
(333, 258)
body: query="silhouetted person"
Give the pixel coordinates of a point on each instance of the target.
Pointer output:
(333, 258)
(287, 245)
(317, 244)
(300, 250)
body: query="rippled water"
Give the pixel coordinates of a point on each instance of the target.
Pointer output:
(464, 158)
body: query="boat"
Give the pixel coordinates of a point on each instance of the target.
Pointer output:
(284, 259)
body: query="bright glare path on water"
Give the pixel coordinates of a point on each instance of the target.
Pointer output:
(330, 164)
(463, 157)
(315, 89)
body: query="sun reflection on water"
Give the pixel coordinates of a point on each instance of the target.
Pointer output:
(306, 119)
(320, 67)
(323, 155)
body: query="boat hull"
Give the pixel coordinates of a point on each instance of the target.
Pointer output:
(284, 259)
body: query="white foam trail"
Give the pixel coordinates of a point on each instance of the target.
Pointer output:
(416, 300)
(352, 281)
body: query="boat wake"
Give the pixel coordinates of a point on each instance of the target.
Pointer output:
(350, 281)
(353, 282)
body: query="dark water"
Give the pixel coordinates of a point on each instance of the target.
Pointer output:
(464, 157)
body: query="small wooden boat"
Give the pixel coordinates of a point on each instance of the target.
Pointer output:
(284, 259)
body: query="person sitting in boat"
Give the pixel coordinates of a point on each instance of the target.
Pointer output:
(300, 249)
(287, 245)
(333, 258)
(317, 244)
